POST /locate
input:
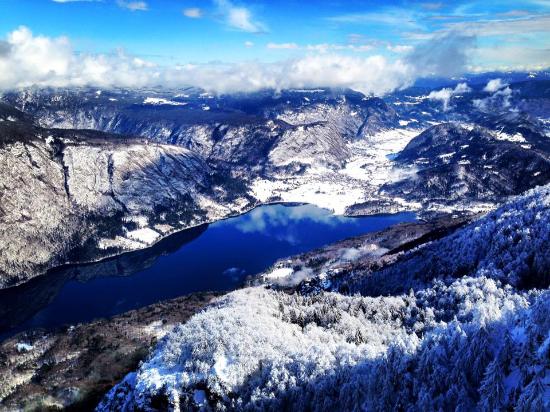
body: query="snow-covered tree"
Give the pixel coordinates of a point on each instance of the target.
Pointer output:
(492, 393)
(532, 398)
(470, 342)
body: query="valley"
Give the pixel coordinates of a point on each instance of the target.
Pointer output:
(115, 201)
(178, 265)
(42, 354)
(249, 206)
(151, 169)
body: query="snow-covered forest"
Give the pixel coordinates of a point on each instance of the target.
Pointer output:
(510, 244)
(461, 324)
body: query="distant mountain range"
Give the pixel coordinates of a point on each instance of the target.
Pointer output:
(88, 173)
(446, 313)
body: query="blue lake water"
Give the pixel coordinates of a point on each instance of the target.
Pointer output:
(216, 257)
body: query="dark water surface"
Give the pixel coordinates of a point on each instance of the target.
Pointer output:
(216, 257)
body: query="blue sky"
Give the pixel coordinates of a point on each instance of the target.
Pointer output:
(504, 34)
(160, 31)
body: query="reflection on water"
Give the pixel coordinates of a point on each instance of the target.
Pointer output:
(20, 303)
(217, 257)
(265, 219)
(284, 222)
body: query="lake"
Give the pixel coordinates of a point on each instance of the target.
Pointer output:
(215, 257)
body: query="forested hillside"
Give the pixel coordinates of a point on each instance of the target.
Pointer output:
(471, 333)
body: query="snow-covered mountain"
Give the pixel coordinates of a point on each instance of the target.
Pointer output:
(472, 333)
(80, 195)
(442, 314)
(88, 173)
(454, 162)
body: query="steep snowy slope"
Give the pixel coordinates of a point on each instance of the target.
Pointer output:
(300, 125)
(70, 195)
(307, 145)
(76, 195)
(469, 340)
(512, 244)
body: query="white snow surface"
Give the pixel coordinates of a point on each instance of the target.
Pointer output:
(366, 170)
(160, 100)
(23, 347)
(144, 235)
(277, 273)
(515, 138)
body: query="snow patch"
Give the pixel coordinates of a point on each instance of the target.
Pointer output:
(160, 100)
(23, 347)
(143, 235)
(279, 273)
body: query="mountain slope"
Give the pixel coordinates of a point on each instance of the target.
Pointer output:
(85, 195)
(455, 342)
(218, 127)
(200, 157)
(453, 162)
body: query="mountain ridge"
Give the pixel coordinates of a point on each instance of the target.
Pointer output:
(188, 158)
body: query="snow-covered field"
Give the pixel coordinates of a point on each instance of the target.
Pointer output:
(160, 100)
(368, 167)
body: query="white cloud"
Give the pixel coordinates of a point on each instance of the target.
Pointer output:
(372, 75)
(133, 5)
(391, 16)
(27, 60)
(503, 96)
(322, 47)
(326, 47)
(360, 48)
(447, 55)
(193, 13)
(248, 44)
(503, 27)
(282, 46)
(239, 18)
(399, 48)
(503, 57)
(494, 85)
(499, 100)
(445, 95)
(462, 88)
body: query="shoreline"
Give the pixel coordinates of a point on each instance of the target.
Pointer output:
(165, 236)
(131, 332)
(131, 260)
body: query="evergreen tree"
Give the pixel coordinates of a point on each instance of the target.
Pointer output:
(492, 395)
(464, 401)
(524, 358)
(506, 352)
(479, 356)
(532, 398)
(425, 401)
